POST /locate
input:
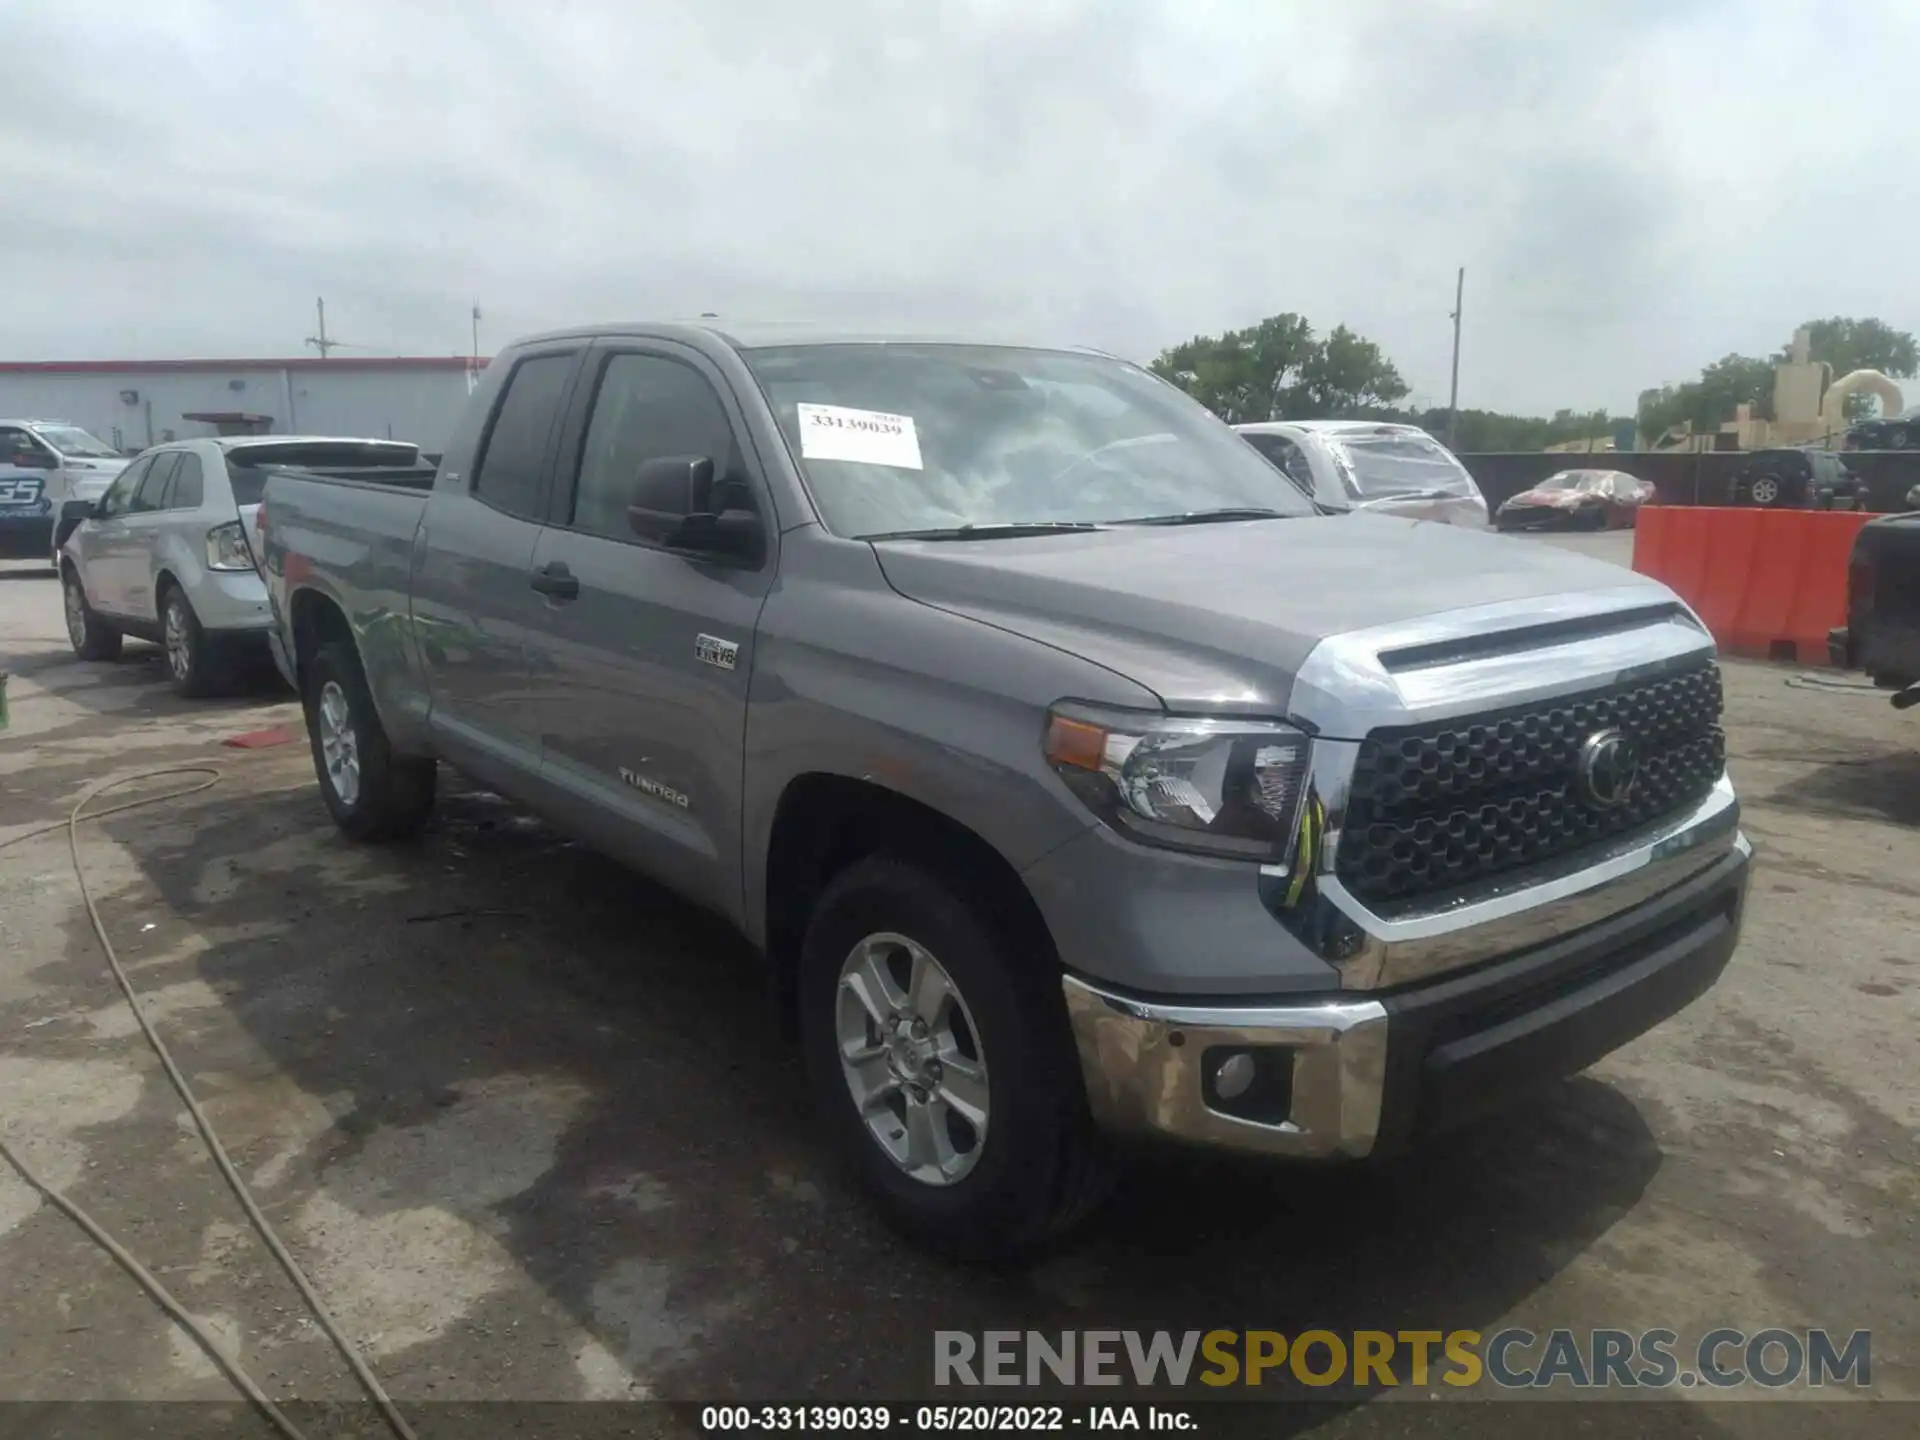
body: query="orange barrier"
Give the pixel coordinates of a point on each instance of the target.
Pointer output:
(1769, 583)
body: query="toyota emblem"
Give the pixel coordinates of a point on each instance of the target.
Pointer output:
(1609, 764)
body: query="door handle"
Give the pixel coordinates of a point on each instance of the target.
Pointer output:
(556, 581)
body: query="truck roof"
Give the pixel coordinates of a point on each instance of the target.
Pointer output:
(242, 442)
(762, 334)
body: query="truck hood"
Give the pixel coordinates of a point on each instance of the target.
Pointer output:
(1221, 617)
(94, 480)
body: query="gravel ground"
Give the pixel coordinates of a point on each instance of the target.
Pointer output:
(531, 1126)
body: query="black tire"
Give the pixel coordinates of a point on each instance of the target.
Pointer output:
(1593, 518)
(1041, 1167)
(91, 637)
(391, 795)
(1897, 438)
(194, 663)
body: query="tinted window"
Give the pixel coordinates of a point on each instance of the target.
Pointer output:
(114, 502)
(647, 408)
(1284, 453)
(152, 494)
(17, 447)
(189, 484)
(508, 475)
(249, 484)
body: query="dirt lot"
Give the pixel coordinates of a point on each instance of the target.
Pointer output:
(530, 1125)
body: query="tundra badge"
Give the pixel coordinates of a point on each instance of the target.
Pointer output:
(647, 786)
(712, 650)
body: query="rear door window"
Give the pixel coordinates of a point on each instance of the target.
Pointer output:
(189, 484)
(512, 465)
(249, 483)
(152, 494)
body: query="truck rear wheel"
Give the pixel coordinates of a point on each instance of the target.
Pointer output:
(942, 1065)
(372, 793)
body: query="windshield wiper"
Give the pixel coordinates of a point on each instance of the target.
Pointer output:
(995, 530)
(1207, 517)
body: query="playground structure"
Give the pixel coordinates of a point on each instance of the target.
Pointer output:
(1809, 408)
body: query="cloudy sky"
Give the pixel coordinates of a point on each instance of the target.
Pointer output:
(1635, 186)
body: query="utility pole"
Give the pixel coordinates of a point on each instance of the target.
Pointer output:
(476, 334)
(320, 342)
(1453, 393)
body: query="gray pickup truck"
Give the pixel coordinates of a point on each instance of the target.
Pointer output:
(1079, 780)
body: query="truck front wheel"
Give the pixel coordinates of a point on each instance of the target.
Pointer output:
(940, 1060)
(372, 793)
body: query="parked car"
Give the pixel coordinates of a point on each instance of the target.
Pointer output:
(44, 464)
(1369, 465)
(1886, 432)
(1577, 500)
(1882, 633)
(1007, 703)
(1795, 478)
(165, 554)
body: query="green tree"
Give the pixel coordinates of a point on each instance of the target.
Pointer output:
(1867, 344)
(1344, 373)
(1277, 370)
(1731, 381)
(1486, 431)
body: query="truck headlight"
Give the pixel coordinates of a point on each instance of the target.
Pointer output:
(1223, 787)
(227, 548)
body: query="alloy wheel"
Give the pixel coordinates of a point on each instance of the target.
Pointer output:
(179, 640)
(76, 605)
(339, 745)
(912, 1059)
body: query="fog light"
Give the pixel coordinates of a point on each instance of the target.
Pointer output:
(1248, 1082)
(1235, 1074)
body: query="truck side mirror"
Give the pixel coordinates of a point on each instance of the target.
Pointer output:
(33, 458)
(666, 492)
(674, 502)
(78, 510)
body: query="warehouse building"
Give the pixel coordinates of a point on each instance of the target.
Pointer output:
(135, 403)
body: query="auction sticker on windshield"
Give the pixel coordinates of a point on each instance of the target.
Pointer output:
(866, 437)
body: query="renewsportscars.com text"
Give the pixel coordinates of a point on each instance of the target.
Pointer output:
(1510, 1359)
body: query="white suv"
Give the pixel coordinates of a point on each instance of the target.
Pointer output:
(166, 554)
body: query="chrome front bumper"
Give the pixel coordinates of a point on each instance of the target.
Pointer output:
(1143, 1067)
(1640, 943)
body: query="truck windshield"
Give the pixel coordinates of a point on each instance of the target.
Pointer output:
(896, 438)
(71, 440)
(1375, 465)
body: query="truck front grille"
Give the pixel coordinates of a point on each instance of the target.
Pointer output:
(1436, 809)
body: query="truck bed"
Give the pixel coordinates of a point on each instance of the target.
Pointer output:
(352, 540)
(406, 477)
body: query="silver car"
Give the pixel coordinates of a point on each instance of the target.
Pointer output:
(1372, 465)
(166, 553)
